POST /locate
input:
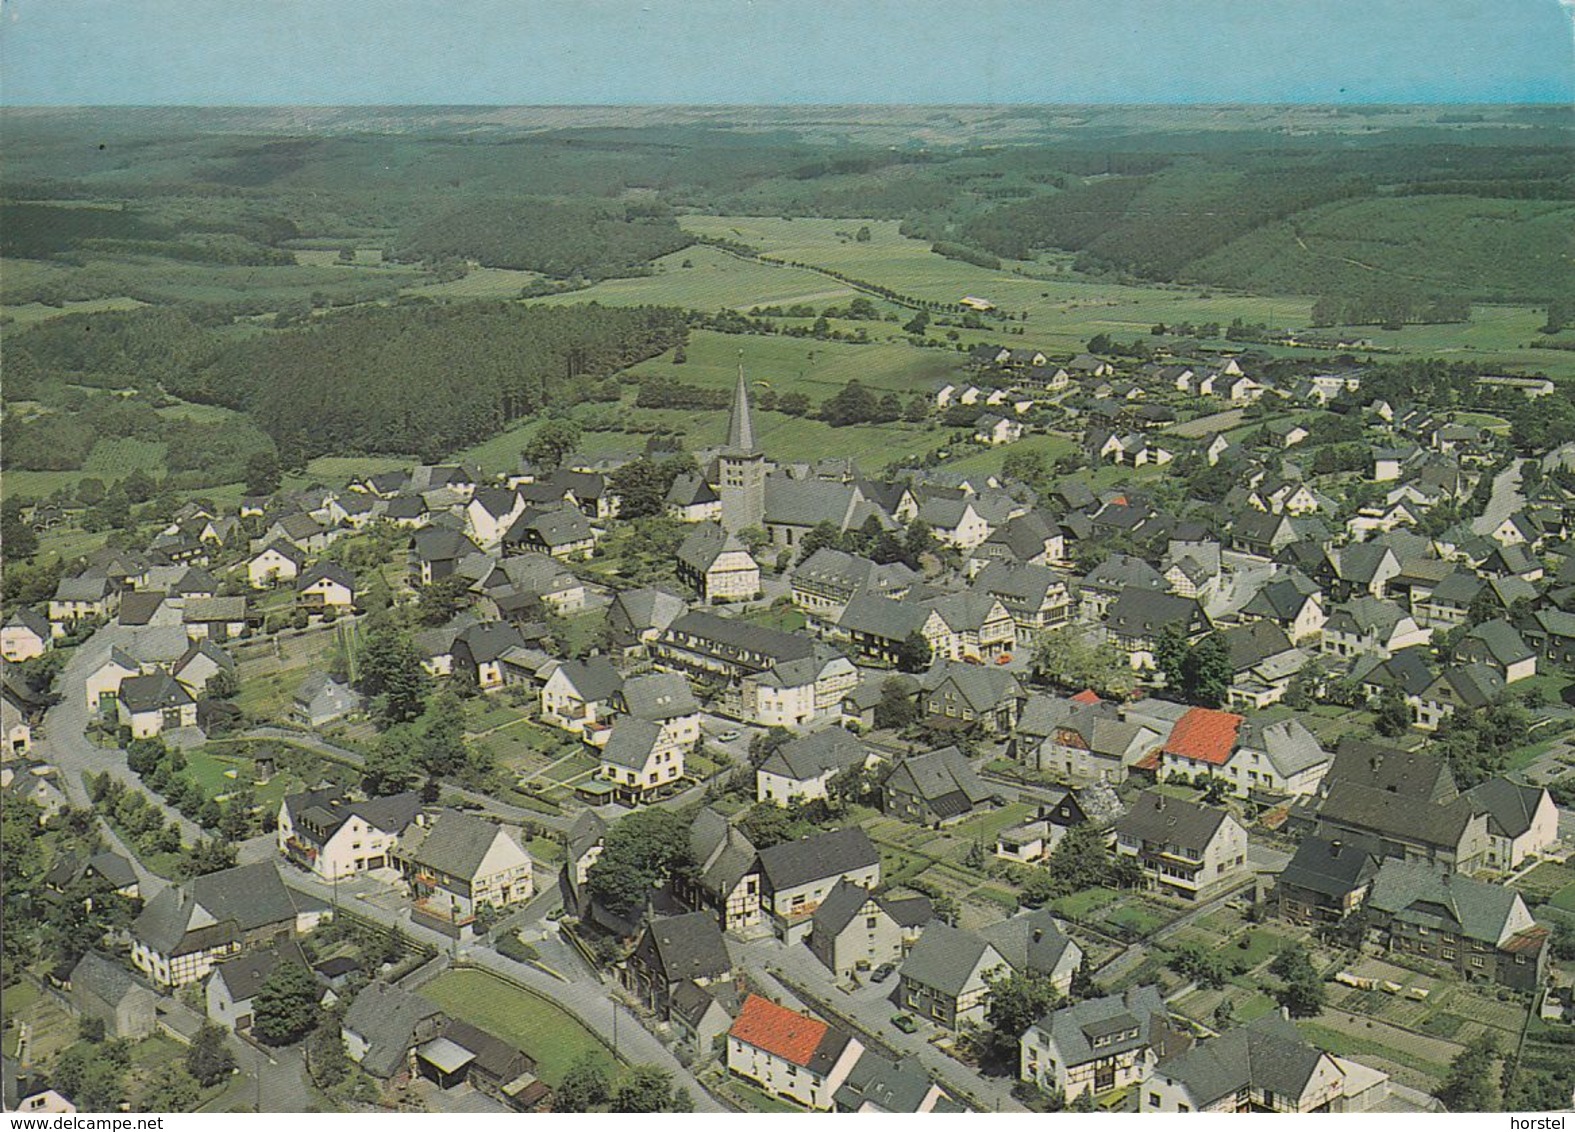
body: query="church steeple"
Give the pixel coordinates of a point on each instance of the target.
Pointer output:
(740, 425)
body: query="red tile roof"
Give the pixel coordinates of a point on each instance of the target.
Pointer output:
(1204, 735)
(1086, 696)
(1149, 761)
(778, 1030)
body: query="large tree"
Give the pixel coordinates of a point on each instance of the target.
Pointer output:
(208, 1058)
(391, 673)
(647, 1088)
(641, 852)
(585, 1086)
(553, 439)
(285, 1008)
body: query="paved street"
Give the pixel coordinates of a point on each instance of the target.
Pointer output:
(1504, 502)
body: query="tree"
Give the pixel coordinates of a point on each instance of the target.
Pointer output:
(585, 1087)
(263, 474)
(647, 1088)
(207, 857)
(1170, 656)
(918, 324)
(1469, 1086)
(640, 852)
(209, 1059)
(393, 764)
(16, 535)
(1302, 993)
(285, 1008)
(1066, 658)
(897, 707)
(553, 439)
(223, 685)
(326, 1057)
(793, 404)
(444, 751)
(1017, 1001)
(1208, 968)
(913, 653)
(853, 404)
(1392, 717)
(1207, 672)
(862, 236)
(767, 824)
(391, 673)
(439, 600)
(641, 487)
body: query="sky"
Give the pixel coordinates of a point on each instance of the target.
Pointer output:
(578, 52)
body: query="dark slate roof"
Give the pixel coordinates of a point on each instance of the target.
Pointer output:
(386, 1018)
(1074, 1028)
(822, 855)
(112, 867)
(487, 641)
(658, 696)
(245, 975)
(594, 677)
(690, 946)
(1351, 805)
(154, 692)
(631, 743)
(883, 1085)
(104, 979)
(942, 778)
(332, 571)
(34, 622)
(1143, 613)
(138, 607)
(1269, 1053)
(882, 617)
(241, 899)
(733, 634)
(1329, 867)
(722, 854)
(318, 814)
(984, 689)
(1421, 894)
(1155, 817)
(944, 957)
(1124, 571)
(454, 843)
(1510, 807)
(1030, 942)
(806, 757)
(442, 544)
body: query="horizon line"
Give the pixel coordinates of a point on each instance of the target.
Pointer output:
(1102, 104)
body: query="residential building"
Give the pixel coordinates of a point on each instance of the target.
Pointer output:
(1100, 1044)
(25, 635)
(1325, 881)
(101, 988)
(801, 769)
(672, 951)
(154, 703)
(789, 1054)
(797, 876)
(855, 929)
(1523, 822)
(579, 694)
(945, 977)
(1186, 850)
(454, 862)
(335, 836)
(717, 566)
(935, 788)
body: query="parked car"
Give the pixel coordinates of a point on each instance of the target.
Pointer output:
(883, 972)
(905, 1023)
(727, 736)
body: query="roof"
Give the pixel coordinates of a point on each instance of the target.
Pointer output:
(689, 946)
(1268, 1054)
(326, 571)
(631, 742)
(112, 867)
(199, 609)
(982, 688)
(1289, 746)
(244, 976)
(1394, 815)
(658, 696)
(594, 678)
(1420, 894)
(1074, 1028)
(943, 779)
(386, 1017)
(944, 958)
(104, 979)
(1031, 942)
(806, 757)
(318, 814)
(1204, 735)
(154, 692)
(705, 544)
(1155, 817)
(794, 863)
(455, 843)
(1510, 806)
(884, 1085)
(1143, 613)
(241, 899)
(1329, 867)
(795, 1038)
(138, 607)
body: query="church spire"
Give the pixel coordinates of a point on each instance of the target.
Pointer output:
(740, 425)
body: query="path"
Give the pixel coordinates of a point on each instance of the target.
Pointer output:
(1504, 502)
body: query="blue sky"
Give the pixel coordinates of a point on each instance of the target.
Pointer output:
(457, 52)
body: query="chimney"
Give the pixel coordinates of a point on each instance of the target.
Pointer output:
(1159, 802)
(1039, 934)
(1334, 848)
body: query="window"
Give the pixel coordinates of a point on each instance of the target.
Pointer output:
(869, 922)
(1478, 962)
(1153, 1100)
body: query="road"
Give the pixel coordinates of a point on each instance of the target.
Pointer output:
(1504, 502)
(581, 995)
(871, 1006)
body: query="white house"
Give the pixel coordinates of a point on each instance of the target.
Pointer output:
(789, 1054)
(277, 562)
(337, 837)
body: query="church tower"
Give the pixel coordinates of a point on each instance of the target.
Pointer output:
(741, 467)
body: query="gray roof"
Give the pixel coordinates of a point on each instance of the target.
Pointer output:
(240, 900)
(1363, 808)
(740, 422)
(658, 696)
(1420, 894)
(1074, 1028)
(154, 692)
(1365, 615)
(331, 571)
(386, 1018)
(705, 544)
(728, 635)
(104, 979)
(807, 757)
(722, 854)
(199, 609)
(1329, 866)
(882, 617)
(1268, 1054)
(112, 867)
(648, 608)
(138, 607)
(631, 743)
(883, 1085)
(942, 778)
(245, 975)
(804, 503)
(1155, 817)
(1031, 942)
(944, 957)
(1143, 613)
(1495, 641)
(594, 678)
(454, 843)
(85, 587)
(1124, 571)
(318, 814)
(690, 946)
(983, 688)
(1287, 743)
(1510, 806)
(823, 855)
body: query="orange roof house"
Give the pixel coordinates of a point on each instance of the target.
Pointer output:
(778, 1030)
(1204, 735)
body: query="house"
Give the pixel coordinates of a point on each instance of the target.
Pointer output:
(25, 635)
(1496, 644)
(717, 566)
(490, 512)
(934, 789)
(1200, 743)
(579, 694)
(233, 986)
(797, 876)
(201, 662)
(1523, 822)
(1460, 687)
(663, 698)
(325, 586)
(638, 761)
(561, 531)
(1276, 759)
(789, 1054)
(20, 709)
(274, 563)
(26, 1092)
(455, 862)
(1186, 850)
(1263, 663)
(726, 876)
(1135, 620)
(1264, 1066)
(1394, 820)
(945, 977)
(1481, 931)
(150, 704)
(637, 617)
(1033, 841)
(800, 769)
(855, 929)
(876, 1084)
(101, 988)
(692, 500)
(320, 700)
(435, 553)
(701, 1016)
(1099, 1044)
(1325, 881)
(824, 583)
(672, 951)
(1293, 604)
(992, 428)
(1036, 943)
(335, 836)
(479, 651)
(384, 1025)
(1082, 741)
(964, 696)
(214, 618)
(1370, 626)
(1034, 596)
(185, 929)
(955, 522)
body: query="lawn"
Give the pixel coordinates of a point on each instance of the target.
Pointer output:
(987, 826)
(1082, 905)
(1546, 880)
(757, 1100)
(988, 461)
(784, 618)
(526, 1021)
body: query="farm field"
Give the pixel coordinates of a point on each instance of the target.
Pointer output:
(714, 280)
(525, 1021)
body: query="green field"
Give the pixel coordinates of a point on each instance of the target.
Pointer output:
(524, 1020)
